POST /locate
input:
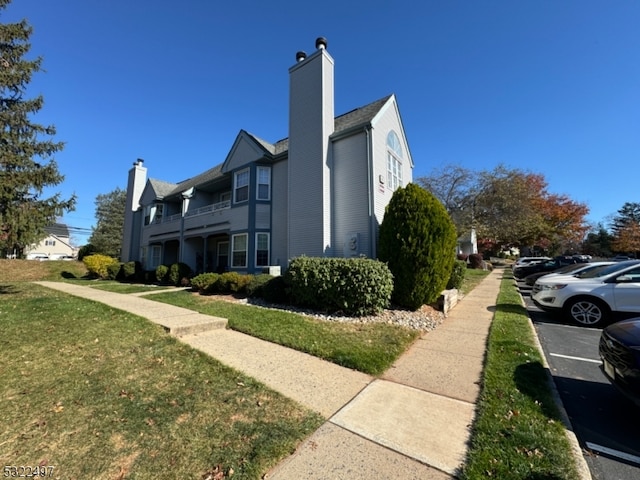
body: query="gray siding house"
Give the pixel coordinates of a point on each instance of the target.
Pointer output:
(320, 192)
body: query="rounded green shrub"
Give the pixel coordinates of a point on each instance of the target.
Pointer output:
(204, 283)
(178, 273)
(255, 287)
(457, 274)
(162, 274)
(417, 241)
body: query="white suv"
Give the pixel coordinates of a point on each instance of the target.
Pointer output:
(592, 301)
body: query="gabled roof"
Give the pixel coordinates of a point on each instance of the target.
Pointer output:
(358, 117)
(161, 188)
(355, 118)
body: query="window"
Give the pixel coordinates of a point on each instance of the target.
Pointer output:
(262, 249)
(239, 250)
(264, 183)
(156, 256)
(153, 213)
(50, 243)
(241, 188)
(394, 161)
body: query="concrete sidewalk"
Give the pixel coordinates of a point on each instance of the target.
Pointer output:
(413, 422)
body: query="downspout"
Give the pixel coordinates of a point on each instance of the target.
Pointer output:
(370, 206)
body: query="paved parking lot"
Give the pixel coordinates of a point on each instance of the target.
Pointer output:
(605, 423)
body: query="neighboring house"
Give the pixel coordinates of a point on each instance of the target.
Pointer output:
(468, 243)
(56, 245)
(320, 192)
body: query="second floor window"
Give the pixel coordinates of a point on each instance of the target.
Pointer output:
(241, 186)
(264, 183)
(394, 161)
(153, 213)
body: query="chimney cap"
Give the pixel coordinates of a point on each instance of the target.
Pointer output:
(300, 56)
(321, 43)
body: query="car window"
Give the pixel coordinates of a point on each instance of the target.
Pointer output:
(634, 274)
(610, 269)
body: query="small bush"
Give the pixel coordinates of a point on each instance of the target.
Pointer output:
(457, 274)
(178, 272)
(255, 288)
(475, 260)
(97, 265)
(276, 291)
(205, 282)
(132, 272)
(162, 274)
(114, 271)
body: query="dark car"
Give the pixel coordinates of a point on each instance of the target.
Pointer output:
(548, 266)
(620, 354)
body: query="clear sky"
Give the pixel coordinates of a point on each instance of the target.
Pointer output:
(547, 86)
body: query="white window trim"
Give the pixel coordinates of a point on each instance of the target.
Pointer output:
(233, 250)
(394, 179)
(255, 256)
(268, 170)
(235, 185)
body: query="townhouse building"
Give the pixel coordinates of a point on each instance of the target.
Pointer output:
(322, 191)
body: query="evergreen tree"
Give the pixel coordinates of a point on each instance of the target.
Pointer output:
(418, 241)
(107, 234)
(27, 166)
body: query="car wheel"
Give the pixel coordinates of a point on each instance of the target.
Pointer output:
(587, 312)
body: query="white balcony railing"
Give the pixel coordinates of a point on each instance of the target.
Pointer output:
(210, 208)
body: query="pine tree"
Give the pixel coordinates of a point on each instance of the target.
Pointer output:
(107, 234)
(27, 165)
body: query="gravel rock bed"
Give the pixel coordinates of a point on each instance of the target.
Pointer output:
(425, 319)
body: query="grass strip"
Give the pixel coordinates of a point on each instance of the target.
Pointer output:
(102, 394)
(368, 347)
(518, 432)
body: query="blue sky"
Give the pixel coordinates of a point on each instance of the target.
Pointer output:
(547, 86)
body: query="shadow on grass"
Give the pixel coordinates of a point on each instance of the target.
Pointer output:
(511, 308)
(7, 289)
(68, 275)
(532, 380)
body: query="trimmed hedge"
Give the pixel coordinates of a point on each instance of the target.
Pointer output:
(353, 286)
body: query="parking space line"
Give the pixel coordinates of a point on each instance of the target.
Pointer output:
(569, 357)
(613, 453)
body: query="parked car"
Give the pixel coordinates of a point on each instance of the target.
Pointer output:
(522, 261)
(594, 301)
(621, 258)
(620, 353)
(547, 266)
(573, 269)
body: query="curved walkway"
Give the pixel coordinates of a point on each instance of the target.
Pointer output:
(412, 422)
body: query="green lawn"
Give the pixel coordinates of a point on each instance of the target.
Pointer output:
(102, 394)
(518, 433)
(369, 348)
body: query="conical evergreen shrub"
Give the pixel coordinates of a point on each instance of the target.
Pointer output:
(417, 241)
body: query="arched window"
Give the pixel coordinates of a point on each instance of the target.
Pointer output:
(394, 161)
